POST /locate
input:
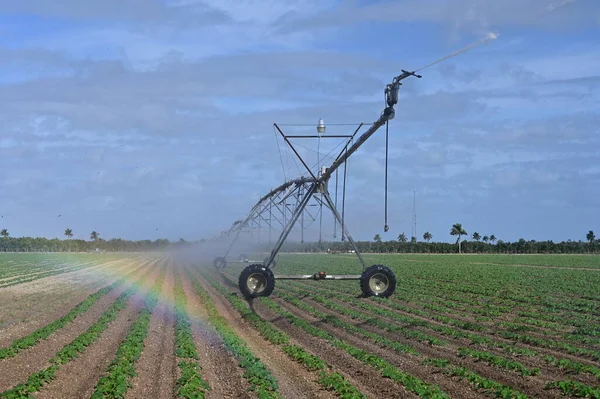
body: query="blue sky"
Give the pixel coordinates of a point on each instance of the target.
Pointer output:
(154, 119)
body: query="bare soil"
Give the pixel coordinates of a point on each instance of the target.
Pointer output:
(37, 357)
(219, 367)
(294, 380)
(156, 367)
(28, 308)
(78, 378)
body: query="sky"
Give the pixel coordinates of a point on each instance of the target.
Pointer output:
(146, 119)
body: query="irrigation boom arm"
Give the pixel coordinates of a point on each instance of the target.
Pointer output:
(391, 92)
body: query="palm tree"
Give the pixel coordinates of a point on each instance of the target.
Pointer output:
(94, 236)
(486, 238)
(413, 239)
(590, 236)
(402, 237)
(457, 230)
(377, 238)
(68, 233)
(427, 236)
(493, 238)
(476, 236)
(4, 233)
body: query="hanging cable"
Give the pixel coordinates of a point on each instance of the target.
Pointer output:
(344, 194)
(336, 202)
(387, 140)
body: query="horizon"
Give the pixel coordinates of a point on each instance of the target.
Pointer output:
(147, 121)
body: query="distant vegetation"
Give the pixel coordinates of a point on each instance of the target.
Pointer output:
(42, 244)
(476, 244)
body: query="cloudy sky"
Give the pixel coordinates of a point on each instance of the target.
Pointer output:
(154, 118)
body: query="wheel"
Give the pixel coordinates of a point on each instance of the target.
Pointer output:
(378, 280)
(220, 263)
(256, 280)
(273, 264)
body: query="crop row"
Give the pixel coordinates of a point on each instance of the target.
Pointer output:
(572, 387)
(44, 332)
(24, 267)
(190, 384)
(70, 351)
(377, 338)
(119, 373)
(256, 373)
(505, 299)
(475, 338)
(27, 278)
(565, 293)
(386, 369)
(487, 385)
(330, 380)
(489, 358)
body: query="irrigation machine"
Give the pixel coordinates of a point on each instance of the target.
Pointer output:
(286, 204)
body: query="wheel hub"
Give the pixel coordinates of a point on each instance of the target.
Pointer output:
(257, 282)
(378, 283)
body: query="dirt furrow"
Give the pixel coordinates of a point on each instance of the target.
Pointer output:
(464, 342)
(78, 378)
(530, 385)
(219, 367)
(404, 362)
(293, 379)
(156, 367)
(37, 357)
(52, 302)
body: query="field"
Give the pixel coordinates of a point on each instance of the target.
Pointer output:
(150, 325)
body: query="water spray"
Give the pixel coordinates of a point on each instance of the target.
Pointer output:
(491, 36)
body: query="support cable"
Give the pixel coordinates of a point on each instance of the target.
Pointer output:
(344, 194)
(387, 139)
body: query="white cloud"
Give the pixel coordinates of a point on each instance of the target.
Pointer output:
(142, 115)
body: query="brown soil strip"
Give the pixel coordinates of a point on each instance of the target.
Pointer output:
(531, 385)
(78, 378)
(219, 368)
(28, 312)
(462, 341)
(36, 358)
(466, 342)
(404, 362)
(294, 380)
(156, 367)
(367, 379)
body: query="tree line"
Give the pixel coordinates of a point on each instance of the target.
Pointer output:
(96, 243)
(478, 244)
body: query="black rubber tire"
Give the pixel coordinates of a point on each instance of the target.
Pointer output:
(378, 280)
(262, 276)
(220, 263)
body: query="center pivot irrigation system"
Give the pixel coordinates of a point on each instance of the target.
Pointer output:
(258, 279)
(288, 202)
